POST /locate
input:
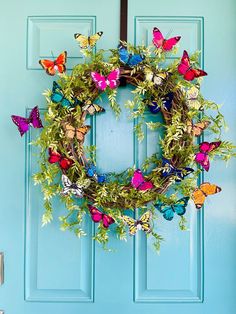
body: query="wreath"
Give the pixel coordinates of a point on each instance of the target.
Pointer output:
(166, 181)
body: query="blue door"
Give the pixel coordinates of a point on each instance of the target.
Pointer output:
(49, 271)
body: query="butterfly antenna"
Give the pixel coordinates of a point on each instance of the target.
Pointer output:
(169, 33)
(52, 54)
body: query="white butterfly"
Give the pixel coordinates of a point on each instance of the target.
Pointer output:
(192, 96)
(73, 188)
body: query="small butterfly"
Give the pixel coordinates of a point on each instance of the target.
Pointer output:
(192, 98)
(155, 77)
(24, 124)
(72, 132)
(200, 193)
(168, 210)
(143, 223)
(91, 171)
(54, 157)
(129, 59)
(57, 96)
(155, 107)
(98, 216)
(87, 41)
(170, 170)
(51, 67)
(92, 108)
(202, 157)
(102, 82)
(186, 69)
(139, 183)
(160, 42)
(197, 128)
(72, 188)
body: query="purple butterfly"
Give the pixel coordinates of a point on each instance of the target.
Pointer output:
(23, 124)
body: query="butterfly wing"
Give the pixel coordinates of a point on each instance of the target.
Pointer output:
(53, 156)
(82, 40)
(113, 78)
(69, 131)
(180, 206)
(199, 127)
(48, 66)
(207, 147)
(139, 183)
(145, 222)
(60, 62)
(184, 63)
(154, 107)
(203, 160)
(94, 38)
(57, 94)
(34, 118)
(131, 223)
(22, 124)
(81, 132)
(198, 73)
(167, 101)
(200, 194)
(209, 189)
(168, 44)
(96, 215)
(168, 168)
(107, 221)
(198, 198)
(90, 170)
(182, 173)
(158, 38)
(166, 210)
(123, 54)
(99, 80)
(93, 108)
(189, 75)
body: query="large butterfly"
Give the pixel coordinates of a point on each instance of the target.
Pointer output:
(160, 42)
(72, 132)
(72, 188)
(129, 59)
(91, 171)
(155, 107)
(200, 193)
(171, 170)
(98, 216)
(155, 77)
(51, 67)
(92, 108)
(186, 69)
(24, 124)
(54, 157)
(192, 98)
(197, 128)
(57, 96)
(143, 223)
(139, 183)
(168, 210)
(202, 157)
(102, 82)
(87, 41)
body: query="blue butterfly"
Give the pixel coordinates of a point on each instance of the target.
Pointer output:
(168, 210)
(154, 106)
(129, 58)
(92, 173)
(58, 96)
(169, 170)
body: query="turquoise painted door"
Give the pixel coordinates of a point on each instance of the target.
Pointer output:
(49, 271)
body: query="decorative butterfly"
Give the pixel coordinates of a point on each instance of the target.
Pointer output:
(24, 124)
(202, 157)
(91, 171)
(155, 77)
(168, 210)
(160, 42)
(64, 163)
(139, 183)
(98, 216)
(57, 96)
(171, 170)
(129, 59)
(143, 223)
(51, 67)
(79, 133)
(92, 108)
(192, 98)
(87, 41)
(102, 82)
(197, 128)
(200, 193)
(186, 69)
(72, 188)
(155, 107)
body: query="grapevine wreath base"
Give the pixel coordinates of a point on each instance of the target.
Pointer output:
(165, 183)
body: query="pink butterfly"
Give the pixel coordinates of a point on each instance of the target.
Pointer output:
(98, 216)
(186, 69)
(102, 81)
(160, 42)
(24, 124)
(139, 183)
(202, 157)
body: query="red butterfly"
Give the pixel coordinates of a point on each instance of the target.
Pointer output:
(57, 65)
(98, 216)
(139, 183)
(160, 42)
(63, 162)
(186, 69)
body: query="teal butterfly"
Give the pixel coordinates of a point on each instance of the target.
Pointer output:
(168, 211)
(58, 96)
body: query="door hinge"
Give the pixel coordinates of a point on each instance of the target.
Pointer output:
(1, 270)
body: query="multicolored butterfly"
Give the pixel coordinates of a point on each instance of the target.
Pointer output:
(87, 41)
(91, 108)
(91, 171)
(72, 132)
(55, 157)
(186, 69)
(192, 98)
(197, 128)
(57, 96)
(139, 183)
(155, 107)
(129, 59)
(72, 188)
(202, 157)
(155, 77)
(200, 193)
(143, 223)
(168, 210)
(102, 82)
(98, 216)
(24, 124)
(171, 170)
(160, 42)
(51, 67)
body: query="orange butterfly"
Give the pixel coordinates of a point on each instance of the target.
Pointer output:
(80, 132)
(57, 65)
(198, 128)
(200, 194)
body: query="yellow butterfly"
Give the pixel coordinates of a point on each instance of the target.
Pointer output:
(200, 194)
(80, 132)
(192, 98)
(87, 41)
(197, 128)
(143, 223)
(155, 77)
(92, 108)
